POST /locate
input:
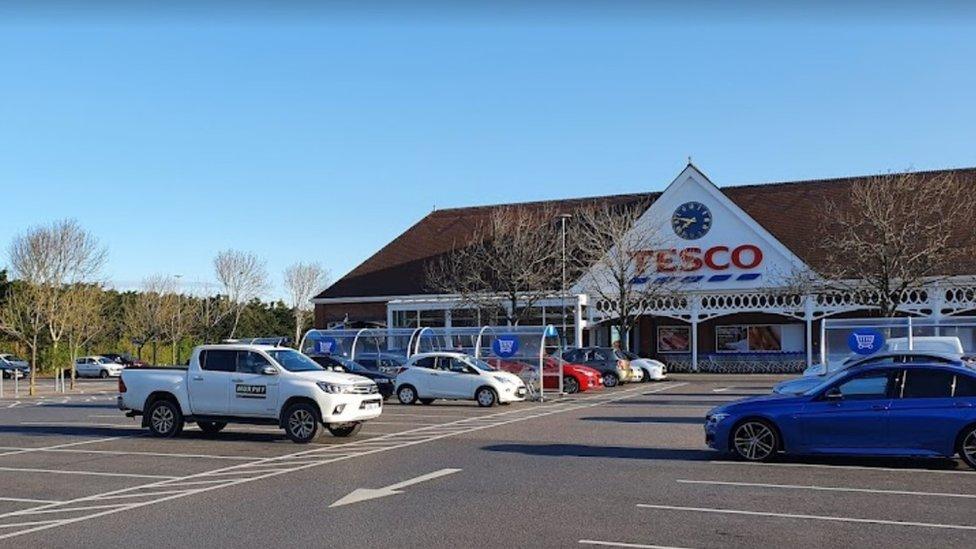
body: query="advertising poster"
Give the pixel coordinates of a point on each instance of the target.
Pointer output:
(731, 339)
(673, 339)
(765, 338)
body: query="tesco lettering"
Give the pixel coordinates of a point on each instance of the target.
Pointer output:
(716, 258)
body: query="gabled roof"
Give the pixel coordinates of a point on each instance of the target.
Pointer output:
(789, 210)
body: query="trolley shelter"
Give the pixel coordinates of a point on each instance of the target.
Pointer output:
(844, 337)
(531, 352)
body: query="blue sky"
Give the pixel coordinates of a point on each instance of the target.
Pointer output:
(321, 134)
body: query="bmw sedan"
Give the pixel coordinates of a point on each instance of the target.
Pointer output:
(918, 410)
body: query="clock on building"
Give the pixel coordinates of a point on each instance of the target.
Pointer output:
(691, 220)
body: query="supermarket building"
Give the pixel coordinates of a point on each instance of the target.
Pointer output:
(733, 309)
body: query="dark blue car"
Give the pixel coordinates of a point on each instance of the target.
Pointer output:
(924, 410)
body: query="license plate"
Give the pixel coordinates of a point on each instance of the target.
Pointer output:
(371, 405)
(521, 391)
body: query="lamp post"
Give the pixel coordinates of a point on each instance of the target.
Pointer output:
(562, 220)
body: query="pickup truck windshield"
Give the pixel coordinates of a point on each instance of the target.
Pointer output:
(293, 361)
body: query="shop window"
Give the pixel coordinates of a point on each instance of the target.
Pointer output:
(760, 338)
(674, 339)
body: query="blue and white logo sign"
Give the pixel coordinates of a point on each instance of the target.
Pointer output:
(551, 331)
(326, 346)
(865, 341)
(505, 346)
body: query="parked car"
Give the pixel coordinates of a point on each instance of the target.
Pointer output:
(429, 376)
(124, 359)
(337, 363)
(652, 370)
(249, 384)
(576, 377)
(910, 409)
(935, 344)
(97, 366)
(611, 363)
(12, 366)
(387, 363)
(805, 383)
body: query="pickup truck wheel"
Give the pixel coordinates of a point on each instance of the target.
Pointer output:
(407, 394)
(103, 374)
(302, 423)
(165, 419)
(211, 427)
(345, 429)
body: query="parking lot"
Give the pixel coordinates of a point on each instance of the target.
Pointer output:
(625, 467)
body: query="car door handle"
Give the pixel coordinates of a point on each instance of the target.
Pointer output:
(964, 405)
(237, 380)
(197, 378)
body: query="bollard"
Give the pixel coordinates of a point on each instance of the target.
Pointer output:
(16, 386)
(1, 385)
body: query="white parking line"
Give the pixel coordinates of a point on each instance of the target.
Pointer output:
(806, 517)
(624, 544)
(26, 500)
(91, 473)
(850, 467)
(67, 445)
(130, 453)
(826, 488)
(722, 390)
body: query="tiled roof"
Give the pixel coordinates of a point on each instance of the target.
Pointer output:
(789, 210)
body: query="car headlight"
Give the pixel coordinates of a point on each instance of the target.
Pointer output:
(503, 379)
(333, 388)
(714, 419)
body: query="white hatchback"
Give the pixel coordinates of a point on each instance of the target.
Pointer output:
(429, 376)
(97, 366)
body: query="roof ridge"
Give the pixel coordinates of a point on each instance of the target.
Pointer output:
(548, 201)
(846, 178)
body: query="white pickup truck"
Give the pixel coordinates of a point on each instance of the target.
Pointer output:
(256, 384)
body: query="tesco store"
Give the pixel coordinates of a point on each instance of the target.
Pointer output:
(731, 254)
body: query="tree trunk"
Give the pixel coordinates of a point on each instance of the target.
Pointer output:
(33, 368)
(298, 327)
(154, 346)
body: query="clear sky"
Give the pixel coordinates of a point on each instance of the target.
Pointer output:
(322, 131)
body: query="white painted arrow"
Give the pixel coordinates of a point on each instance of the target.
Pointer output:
(363, 494)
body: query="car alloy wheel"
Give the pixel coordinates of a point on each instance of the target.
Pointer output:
(165, 419)
(301, 423)
(570, 385)
(610, 380)
(754, 441)
(967, 448)
(486, 397)
(407, 395)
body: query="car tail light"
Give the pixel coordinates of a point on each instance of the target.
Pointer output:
(122, 387)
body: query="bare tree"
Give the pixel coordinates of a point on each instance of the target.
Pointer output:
(303, 281)
(51, 259)
(615, 255)
(146, 315)
(87, 320)
(893, 233)
(243, 277)
(510, 264)
(178, 318)
(22, 318)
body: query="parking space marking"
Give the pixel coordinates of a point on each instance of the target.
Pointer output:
(847, 467)
(825, 488)
(828, 518)
(91, 473)
(351, 450)
(66, 445)
(129, 453)
(26, 500)
(625, 544)
(33, 523)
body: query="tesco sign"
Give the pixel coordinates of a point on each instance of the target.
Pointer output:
(691, 259)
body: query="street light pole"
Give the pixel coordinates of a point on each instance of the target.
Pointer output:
(562, 220)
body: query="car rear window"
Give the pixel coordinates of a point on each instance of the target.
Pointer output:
(218, 360)
(927, 384)
(965, 386)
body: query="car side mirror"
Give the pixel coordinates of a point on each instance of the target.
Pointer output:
(833, 394)
(269, 371)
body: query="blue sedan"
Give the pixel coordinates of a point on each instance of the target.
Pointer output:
(926, 410)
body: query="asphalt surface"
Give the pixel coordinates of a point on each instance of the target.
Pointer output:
(626, 466)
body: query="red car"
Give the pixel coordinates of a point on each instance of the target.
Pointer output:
(576, 377)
